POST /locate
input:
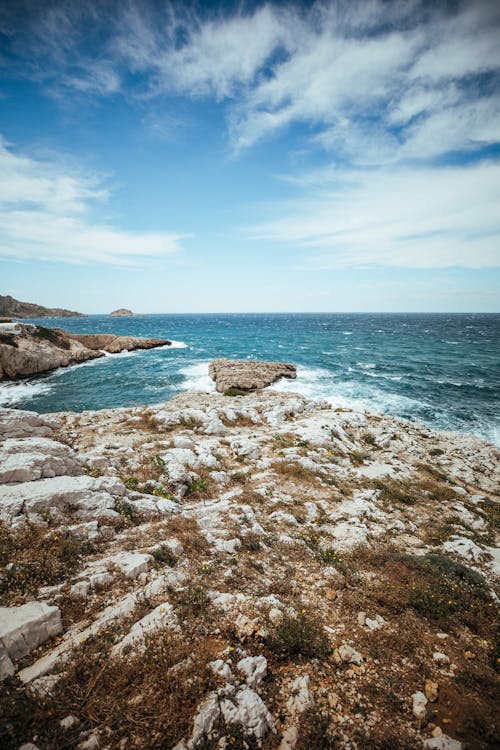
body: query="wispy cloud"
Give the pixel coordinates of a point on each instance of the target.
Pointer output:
(377, 81)
(417, 218)
(46, 213)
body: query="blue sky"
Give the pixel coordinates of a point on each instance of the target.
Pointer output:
(329, 156)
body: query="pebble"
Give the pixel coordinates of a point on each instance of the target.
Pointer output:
(419, 706)
(440, 658)
(431, 690)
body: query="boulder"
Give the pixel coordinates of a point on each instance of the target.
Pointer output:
(244, 375)
(24, 628)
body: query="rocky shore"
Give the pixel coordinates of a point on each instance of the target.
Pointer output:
(28, 349)
(244, 572)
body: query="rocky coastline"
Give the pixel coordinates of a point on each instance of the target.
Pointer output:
(27, 349)
(250, 571)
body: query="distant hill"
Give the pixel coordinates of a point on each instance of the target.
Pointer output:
(13, 308)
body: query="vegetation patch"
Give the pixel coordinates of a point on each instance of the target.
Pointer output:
(31, 557)
(8, 339)
(396, 492)
(52, 336)
(299, 635)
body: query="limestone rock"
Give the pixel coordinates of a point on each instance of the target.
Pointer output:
(419, 706)
(161, 617)
(17, 423)
(301, 697)
(24, 628)
(36, 349)
(87, 496)
(349, 655)
(254, 668)
(246, 375)
(442, 743)
(27, 459)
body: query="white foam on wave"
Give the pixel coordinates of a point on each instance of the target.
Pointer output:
(175, 345)
(13, 393)
(197, 378)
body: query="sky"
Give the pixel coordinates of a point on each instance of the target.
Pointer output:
(175, 157)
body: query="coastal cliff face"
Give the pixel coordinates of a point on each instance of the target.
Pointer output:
(258, 571)
(30, 350)
(13, 308)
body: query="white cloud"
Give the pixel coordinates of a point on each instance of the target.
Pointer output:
(354, 70)
(46, 214)
(418, 218)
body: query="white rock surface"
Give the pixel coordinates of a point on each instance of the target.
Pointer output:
(27, 459)
(24, 628)
(442, 743)
(301, 697)
(163, 616)
(419, 705)
(254, 668)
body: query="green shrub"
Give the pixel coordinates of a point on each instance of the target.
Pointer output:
(299, 635)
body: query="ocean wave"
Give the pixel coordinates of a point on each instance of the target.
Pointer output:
(197, 378)
(175, 345)
(14, 393)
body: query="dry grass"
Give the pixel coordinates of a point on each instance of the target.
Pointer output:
(147, 699)
(295, 472)
(33, 556)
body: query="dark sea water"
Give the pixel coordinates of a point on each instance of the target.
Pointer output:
(441, 369)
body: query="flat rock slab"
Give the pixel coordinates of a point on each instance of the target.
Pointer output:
(17, 423)
(28, 459)
(24, 628)
(88, 496)
(244, 375)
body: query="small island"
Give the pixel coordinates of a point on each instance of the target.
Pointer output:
(122, 313)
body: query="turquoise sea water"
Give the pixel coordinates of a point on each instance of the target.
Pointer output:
(440, 369)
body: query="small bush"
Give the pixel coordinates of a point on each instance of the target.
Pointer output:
(163, 554)
(53, 336)
(8, 339)
(316, 731)
(127, 511)
(300, 635)
(235, 392)
(392, 491)
(31, 557)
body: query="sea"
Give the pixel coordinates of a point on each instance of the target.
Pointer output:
(439, 369)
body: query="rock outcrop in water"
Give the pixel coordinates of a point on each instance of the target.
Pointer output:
(121, 313)
(246, 375)
(13, 308)
(262, 571)
(30, 349)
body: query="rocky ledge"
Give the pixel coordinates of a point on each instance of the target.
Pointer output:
(250, 572)
(28, 349)
(245, 375)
